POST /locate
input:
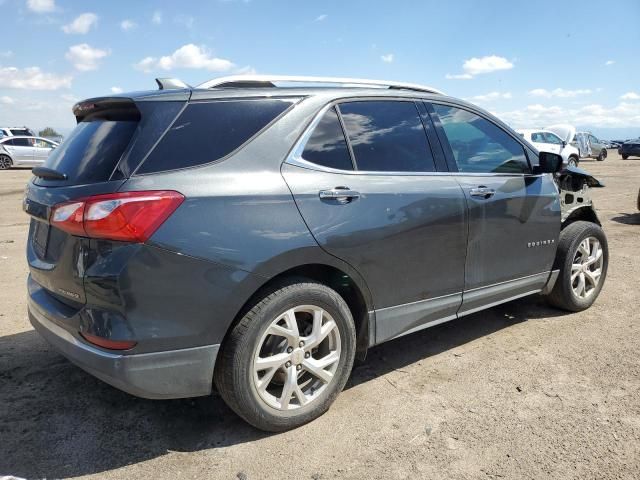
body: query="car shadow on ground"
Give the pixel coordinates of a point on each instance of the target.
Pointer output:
(628, 218)
(57, 421)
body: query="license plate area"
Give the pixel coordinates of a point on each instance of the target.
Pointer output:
(40, 238)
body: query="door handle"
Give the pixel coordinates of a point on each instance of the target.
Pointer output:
(482, 192)
(340, 194)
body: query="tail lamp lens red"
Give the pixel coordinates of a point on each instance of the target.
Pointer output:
(110, 344)
(126, 216)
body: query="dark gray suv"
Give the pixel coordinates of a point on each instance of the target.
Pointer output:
(259, 237)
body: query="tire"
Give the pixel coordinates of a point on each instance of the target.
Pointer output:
(602, 156)
(624, 157)
(249, 341)
(572, 162)
(564, 294)
(5, 162)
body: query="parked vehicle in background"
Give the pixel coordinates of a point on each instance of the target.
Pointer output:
(630, 148)
(260, 236)
(19, 151)
(587, 144)
(16, 131)
(547, 141)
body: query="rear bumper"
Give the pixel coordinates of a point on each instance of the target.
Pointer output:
(159, 375)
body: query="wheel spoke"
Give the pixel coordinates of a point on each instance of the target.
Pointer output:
(581, 285)
(288, 388)
(302, 398)
(576, 268)
(319, 332)
(317, 366)
(264, 382)
(584, 249)
(290, 335)
(274, 361)
(593, 276)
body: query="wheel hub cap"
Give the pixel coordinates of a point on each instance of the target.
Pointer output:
(586, 268)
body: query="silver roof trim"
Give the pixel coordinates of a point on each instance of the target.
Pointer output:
(229, 81)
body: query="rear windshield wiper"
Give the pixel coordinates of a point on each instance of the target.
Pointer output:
(48, 173)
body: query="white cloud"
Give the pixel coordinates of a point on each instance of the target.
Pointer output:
(609, 62)
(478, 66)
(630, 96)
(622, 115)
(32, 78)
(41, 6)
(559, 92)
(461, 76)
(85, 57)
(7, 100)
(116, 90)
(322, 17)
(156, 18)
(491, 96)
(82, 24)
(127, 25)
(388, 58)
(187, 56)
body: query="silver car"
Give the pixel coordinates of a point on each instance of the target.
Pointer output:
(21, 151)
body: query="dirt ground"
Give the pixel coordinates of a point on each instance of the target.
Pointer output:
(518, 391)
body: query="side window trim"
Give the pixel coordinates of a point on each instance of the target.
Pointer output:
(437, 150)
(346, 137)
(447, 147)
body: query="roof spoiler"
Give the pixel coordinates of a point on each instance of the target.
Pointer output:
(170, 84)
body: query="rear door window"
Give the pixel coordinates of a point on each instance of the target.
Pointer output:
(387, 136)
(478, 145)
(326, 145)
(208, 131)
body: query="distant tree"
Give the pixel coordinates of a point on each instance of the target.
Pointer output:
(48, 132)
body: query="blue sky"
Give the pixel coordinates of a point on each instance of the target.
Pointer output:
(531, 63)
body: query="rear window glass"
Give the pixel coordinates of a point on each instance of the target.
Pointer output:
(92, 150)
(326, 145)
(208, 131)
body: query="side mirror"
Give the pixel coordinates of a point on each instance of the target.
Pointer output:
(564, 143)
(548, 163)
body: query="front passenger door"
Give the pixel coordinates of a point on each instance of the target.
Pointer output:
(514, 215)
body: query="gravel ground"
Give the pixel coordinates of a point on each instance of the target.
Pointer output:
(518, 391)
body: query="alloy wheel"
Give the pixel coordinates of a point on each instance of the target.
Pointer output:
(5, 162)
(586, 268)
(296, 358)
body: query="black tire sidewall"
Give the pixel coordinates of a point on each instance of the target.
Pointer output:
(573, 235)
(247, 402)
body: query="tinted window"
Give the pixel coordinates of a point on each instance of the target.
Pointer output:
(208, 131)
(21, 131)
(387, 136)
(21, 142)
(92, 150)
(326, 145)
(552, 138)
(538, 137)
(480, 146)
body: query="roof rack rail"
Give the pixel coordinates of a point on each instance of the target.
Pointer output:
(270, 81)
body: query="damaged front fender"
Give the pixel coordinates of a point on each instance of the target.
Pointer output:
(575, 198)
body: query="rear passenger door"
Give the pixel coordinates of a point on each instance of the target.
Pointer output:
(514, 215)
(21, 150)
(374, 200)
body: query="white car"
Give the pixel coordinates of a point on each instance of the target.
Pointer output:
(18, 151)
(548, 141)
(13, 131)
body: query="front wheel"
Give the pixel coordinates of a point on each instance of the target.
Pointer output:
(5, 162)
(572, 162)
(602, 156)
(582, 258)
(285, 362)
(624, 157)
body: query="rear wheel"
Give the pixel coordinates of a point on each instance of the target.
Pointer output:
(582, 259)
(624, 157)
(285, 362)
(5, 162)
(602, 156)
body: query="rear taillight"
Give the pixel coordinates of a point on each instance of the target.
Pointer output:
(126, 216)
(110, 344)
